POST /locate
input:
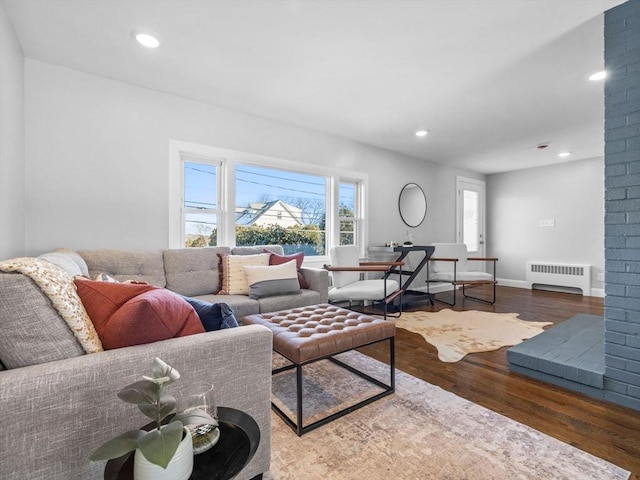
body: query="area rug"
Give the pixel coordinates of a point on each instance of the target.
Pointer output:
(419, 432)
(456, 334)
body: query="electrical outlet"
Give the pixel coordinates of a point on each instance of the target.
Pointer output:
(547, 222)
(600, 276)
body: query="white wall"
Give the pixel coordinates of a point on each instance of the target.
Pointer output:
(98, 151)
(570, 193)
(97, 174)
(12, 138)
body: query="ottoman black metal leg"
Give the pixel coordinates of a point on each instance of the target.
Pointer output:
(387, 389)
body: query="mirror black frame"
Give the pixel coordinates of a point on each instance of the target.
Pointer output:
(409, 217)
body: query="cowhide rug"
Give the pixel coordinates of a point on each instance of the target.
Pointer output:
(456, 334)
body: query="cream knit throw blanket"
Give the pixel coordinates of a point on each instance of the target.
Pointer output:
(58, 285)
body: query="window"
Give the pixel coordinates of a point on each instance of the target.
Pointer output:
(200, 209)
(348, 213)
(470, 207)
(232, 198)
(275, 206)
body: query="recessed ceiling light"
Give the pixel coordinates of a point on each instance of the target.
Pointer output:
(147, 39)
(421, 133)
(564, 154)
(598, 76)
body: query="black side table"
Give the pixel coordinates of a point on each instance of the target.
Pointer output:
(239, 440)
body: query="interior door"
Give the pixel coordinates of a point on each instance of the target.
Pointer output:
(470, 215)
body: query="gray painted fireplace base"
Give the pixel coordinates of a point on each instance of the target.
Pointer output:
(570, 355)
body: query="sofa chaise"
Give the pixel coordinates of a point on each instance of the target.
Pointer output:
(59, 403)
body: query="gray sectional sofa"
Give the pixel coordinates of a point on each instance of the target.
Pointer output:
(195, 272)
(59, 404)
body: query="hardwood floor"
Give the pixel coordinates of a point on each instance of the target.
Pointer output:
(603, 429)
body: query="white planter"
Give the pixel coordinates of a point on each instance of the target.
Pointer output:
(179, 468)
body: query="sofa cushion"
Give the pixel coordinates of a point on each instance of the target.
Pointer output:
(75, 256)
(234, 279)
(126, 265)
(213, 316)
(126, 314)
(193, 271)
(32, 330)
(277, 259)
(268, 281)
(64, 261)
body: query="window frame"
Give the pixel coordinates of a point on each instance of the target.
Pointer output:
(228, 159)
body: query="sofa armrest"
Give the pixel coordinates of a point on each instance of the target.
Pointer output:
(55, 414)
(318, 280)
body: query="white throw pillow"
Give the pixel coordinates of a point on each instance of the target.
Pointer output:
(272, 280)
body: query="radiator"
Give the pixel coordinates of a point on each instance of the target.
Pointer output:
(559, 275)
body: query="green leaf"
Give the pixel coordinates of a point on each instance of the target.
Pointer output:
(148, 410)
(116, 447)
(161, 411)
(166, 399)
(159, 446)
(167, 405)
(140, 392)
(195, 417)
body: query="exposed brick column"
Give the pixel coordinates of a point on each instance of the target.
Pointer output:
(622, 204)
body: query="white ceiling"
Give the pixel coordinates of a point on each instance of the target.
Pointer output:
(490, 79)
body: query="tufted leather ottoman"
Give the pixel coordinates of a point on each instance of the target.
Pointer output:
(307, 334)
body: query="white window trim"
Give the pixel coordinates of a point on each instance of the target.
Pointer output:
(226, 222)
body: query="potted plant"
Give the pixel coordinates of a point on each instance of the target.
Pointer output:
(159, 445)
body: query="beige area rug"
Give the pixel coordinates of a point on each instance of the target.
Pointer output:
(456, 334)
(419, 432)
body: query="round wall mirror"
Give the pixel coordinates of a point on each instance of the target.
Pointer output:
(412, 204)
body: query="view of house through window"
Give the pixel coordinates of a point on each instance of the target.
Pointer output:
(267, 206)
(281, 207)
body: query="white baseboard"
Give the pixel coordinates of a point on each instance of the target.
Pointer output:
(505, 282)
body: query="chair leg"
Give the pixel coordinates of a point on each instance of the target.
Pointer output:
(390, 299)
(493, 300)
(490, 302)
(452, 304)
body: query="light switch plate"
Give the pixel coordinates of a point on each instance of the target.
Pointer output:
(548, 222)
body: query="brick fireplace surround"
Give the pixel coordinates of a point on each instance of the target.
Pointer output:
(622, 205)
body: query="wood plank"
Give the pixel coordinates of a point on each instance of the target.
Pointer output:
(606, 430)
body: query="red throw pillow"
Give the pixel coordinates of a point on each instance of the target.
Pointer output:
(127, 314)
(276, 259)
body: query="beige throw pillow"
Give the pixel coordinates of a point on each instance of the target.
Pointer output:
(234, 279)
